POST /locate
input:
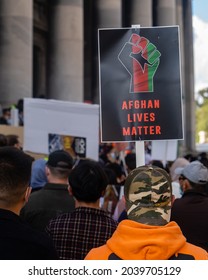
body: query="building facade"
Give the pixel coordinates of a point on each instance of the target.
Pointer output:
(48, 48)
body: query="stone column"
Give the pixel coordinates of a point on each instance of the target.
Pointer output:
(179, 21)
(166, 12)
(66, 50)
(180, 12)
(189, 123)
(108, 13)
(16, 23)
(140, 12)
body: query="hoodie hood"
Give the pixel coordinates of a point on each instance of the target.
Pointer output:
(38, 175)
(135, 241)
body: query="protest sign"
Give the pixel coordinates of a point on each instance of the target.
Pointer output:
(53, 124)
(164, 150)
(140, 84)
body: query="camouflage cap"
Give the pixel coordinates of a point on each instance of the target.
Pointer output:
(148, 194)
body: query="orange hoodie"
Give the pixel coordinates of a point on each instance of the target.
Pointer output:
(136, 241)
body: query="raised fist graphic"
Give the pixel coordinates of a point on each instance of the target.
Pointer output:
(141, 59)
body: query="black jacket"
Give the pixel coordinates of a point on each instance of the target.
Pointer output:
(18, 241)
(46, 204)
(190, 212)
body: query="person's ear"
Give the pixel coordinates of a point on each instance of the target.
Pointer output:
(27, 193)
(186, 185)
(47, 171)
(103, 193)
(70, 190)
(172, 199)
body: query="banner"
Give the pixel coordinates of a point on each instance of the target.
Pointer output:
(164, 150)
(140, 87)
(50, 125)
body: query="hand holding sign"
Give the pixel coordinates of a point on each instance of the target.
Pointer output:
(141, 60)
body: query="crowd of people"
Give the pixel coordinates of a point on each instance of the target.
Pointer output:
(6, 113)
(11, 140)
(61, 207)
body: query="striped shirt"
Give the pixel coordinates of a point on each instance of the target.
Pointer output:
(75, 234)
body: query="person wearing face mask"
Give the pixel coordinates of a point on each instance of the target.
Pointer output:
(6, 116)
(191, 210)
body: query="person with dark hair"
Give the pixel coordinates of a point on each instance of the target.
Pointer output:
(6, 116)
(3, 140)
(13, 141)
(117, 169)
(18, 241)
(191, 210)
(115, 186)
(130, 160)
(110, 199)
(74, 234)
(147, 234)
(108, 153)
(120, 210)
(157, 163)
(202, 157)
(53, 199)
(20, 107)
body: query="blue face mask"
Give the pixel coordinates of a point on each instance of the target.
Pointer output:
(113, 155)
(9, 121)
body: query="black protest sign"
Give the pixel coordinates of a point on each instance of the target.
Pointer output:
(140, 87)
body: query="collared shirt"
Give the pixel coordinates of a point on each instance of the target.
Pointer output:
(75, 234)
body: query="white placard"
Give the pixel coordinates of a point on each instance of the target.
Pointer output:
(43, 117)
(164, 150)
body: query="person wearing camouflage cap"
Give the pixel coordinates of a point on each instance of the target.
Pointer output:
(147, 234)
(148, 196)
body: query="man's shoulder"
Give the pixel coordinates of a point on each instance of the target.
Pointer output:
(24, 242)
(37, 239)
(107, 217)
(191, 197)
(60, 219)
(23, 231)
(193, 251)
(36, 195)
